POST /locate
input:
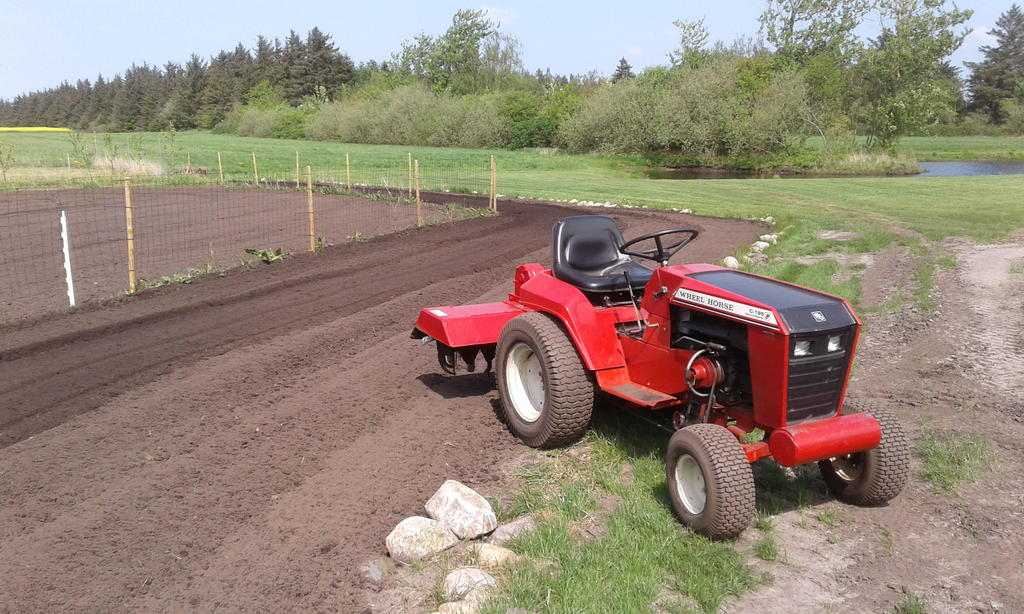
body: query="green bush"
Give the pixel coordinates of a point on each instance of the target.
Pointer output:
(725, 107)
(291, 125)
(412, 115)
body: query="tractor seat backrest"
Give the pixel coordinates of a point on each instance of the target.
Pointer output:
(586, 249)
(587, 243)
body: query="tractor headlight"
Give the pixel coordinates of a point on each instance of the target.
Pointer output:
(835, 343)
(802, 348)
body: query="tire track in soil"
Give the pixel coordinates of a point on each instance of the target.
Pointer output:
(282, 423)
(994, 342)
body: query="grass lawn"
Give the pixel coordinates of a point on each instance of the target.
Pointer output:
(939, 148)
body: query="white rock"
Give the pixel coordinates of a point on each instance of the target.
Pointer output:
(511, 530)
(417, 537)
(770, 238)
(459, 607)
(768, 219)
(465, 580)
(759, 246)
(462, 509)
(731, 262)
(490, 556)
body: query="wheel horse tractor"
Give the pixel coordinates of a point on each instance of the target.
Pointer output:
(728, 353)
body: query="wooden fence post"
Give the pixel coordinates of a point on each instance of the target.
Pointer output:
(188, 165)
(220, 168)
(296, 170)
(255, 174)
(348, 174)
(419, 205)
(410, 174)
(130, 231)
(309, 206)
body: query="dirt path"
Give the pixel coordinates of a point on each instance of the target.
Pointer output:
(241, 444)
(957, 371)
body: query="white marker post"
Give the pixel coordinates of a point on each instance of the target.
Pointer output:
(67, 259)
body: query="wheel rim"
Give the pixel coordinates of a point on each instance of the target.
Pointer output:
(690, 484)
(524, 378)
(848, 467)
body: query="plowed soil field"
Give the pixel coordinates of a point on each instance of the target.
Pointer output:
(244, 442)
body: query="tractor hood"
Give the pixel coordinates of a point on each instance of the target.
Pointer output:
(802, 310)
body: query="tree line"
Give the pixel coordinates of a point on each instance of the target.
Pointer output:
(199, 94)
(807, 72)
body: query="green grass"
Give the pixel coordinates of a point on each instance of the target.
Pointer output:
(937, 148)
(767, 548)
(924, 276)
(949, 148)
(644, 548)
(910, 604)
(828, 515)
(951, 459)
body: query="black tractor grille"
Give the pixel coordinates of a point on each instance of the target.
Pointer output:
(816, 380)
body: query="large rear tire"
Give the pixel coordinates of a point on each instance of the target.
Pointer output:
(710, 482)
(875, 476)
(546, 392)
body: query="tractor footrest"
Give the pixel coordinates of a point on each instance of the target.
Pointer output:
(643, 396)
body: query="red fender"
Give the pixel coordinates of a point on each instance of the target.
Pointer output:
(592, 330)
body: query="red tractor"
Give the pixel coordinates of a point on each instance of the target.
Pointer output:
(724, 352)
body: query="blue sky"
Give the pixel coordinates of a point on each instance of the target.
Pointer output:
(43, 42)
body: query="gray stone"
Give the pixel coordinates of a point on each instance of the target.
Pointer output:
(376, 570)
(513, 529)
(462, 509)
(464, 581)
(490, 556)
(731, 262)
(417, 537)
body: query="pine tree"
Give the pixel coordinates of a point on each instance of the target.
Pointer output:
(187, 97)
(623, 71)
(293, 59)
(999, 78)
(266, 63)
(323, 66)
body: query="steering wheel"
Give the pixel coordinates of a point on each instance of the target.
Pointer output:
(662, 252)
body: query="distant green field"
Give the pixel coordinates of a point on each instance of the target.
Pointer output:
(938, 148)
(982, 208)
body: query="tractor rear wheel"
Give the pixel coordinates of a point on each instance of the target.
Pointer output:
(710, 482)
(875, 476)
(546, 391)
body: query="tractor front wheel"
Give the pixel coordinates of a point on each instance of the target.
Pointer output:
(710, 483)
(875, 476)
(545, 389)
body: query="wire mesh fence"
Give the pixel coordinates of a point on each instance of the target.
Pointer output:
(127, 234)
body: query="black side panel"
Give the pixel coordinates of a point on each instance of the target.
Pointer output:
(802, 310)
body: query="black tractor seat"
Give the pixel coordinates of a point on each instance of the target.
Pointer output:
(586, 250)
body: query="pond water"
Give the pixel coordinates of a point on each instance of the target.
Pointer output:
(967, 168)
(959, 168)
